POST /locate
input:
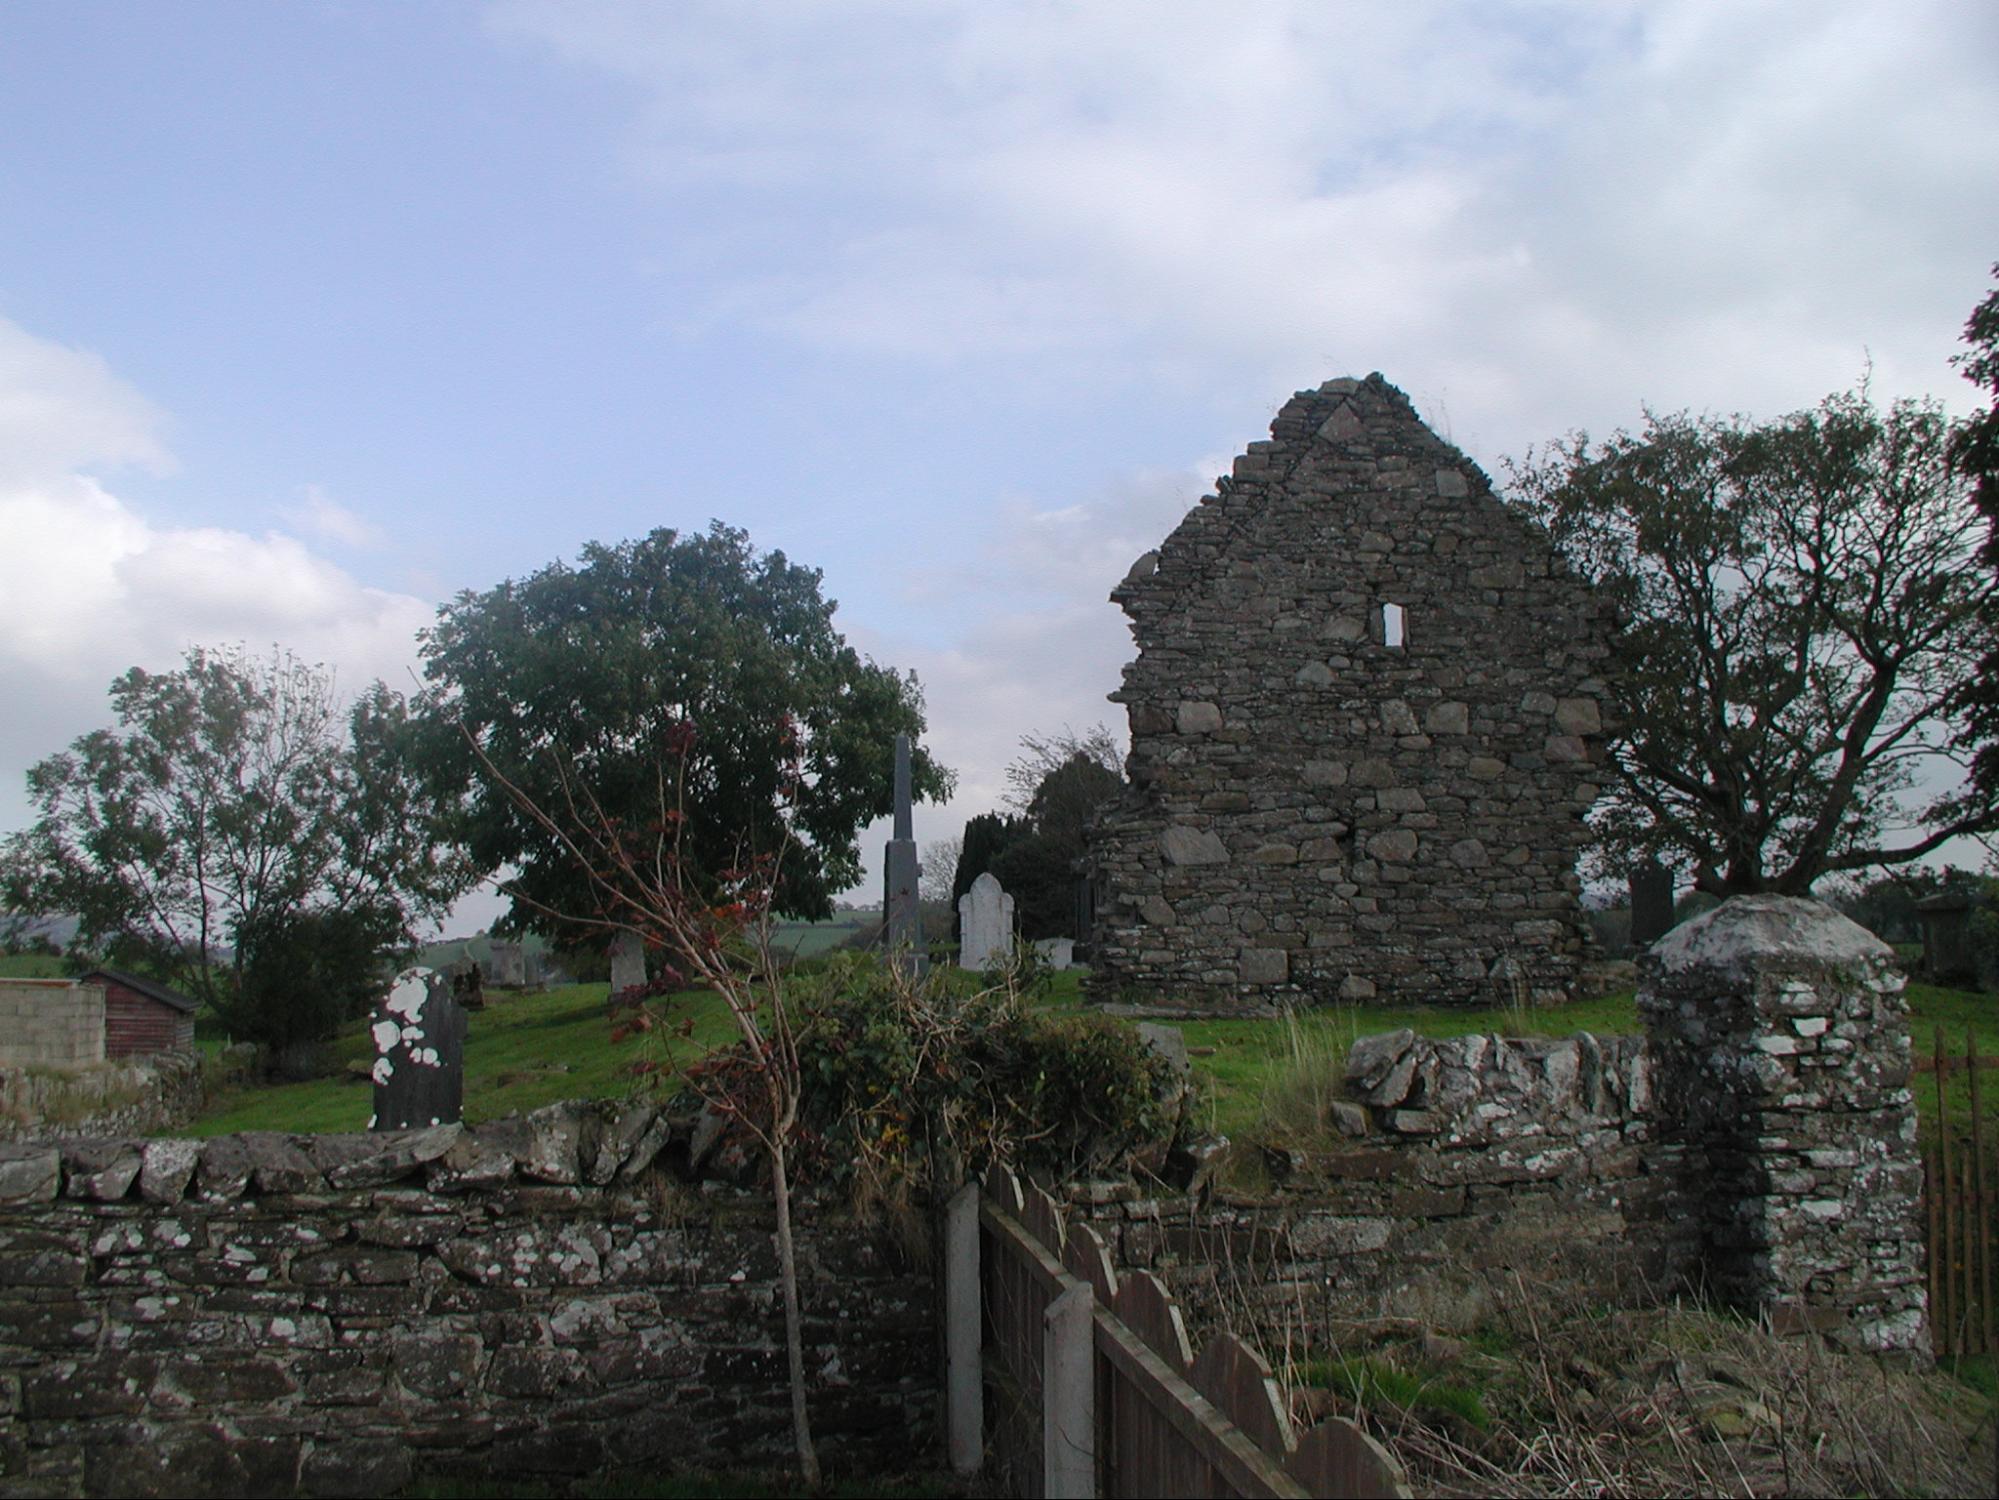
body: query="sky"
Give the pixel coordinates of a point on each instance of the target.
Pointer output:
(314, 315)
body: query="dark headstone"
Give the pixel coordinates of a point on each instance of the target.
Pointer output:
(419, 1070)
(902, 911)
(1651, 903)
(1947, 953)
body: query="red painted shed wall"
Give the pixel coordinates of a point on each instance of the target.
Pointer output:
(135, 1025)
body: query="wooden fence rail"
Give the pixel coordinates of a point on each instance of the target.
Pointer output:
(1094, 1388)
(1959, 1197)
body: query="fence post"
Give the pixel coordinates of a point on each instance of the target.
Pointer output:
(1069, 1396)
(964, 1380)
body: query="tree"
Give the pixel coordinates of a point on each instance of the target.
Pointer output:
(1800, 609)
(303, 971)
(1976, 455)
(1042, 755)
(1887, 906)
(230, 805)
(940, 866)
(594, 667)
(1977, 446)
(1057, 784)
(631, 874)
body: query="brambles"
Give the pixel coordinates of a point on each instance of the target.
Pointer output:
(907, 1086)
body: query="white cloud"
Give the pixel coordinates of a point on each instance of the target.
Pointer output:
(88, 587)
(318, 514)
(1047, 662)
(1540, 215)
(62, 409)
(1534, 216)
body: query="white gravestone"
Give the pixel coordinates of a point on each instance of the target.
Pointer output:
(985, 924)
(628, 963)
(506, 968)
(1057, 953)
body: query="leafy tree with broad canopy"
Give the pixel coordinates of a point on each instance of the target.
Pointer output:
(586, 676)
(231, 805)
(1800, 610)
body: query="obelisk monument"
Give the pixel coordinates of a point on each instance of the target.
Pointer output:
(902, 912)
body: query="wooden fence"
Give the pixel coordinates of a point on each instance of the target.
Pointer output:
(1959, 1197)
(1092, 1387)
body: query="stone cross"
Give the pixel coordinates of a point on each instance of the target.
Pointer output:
(628, 962)
(985, 922)
(902, 912)
(419, 1068)
(1651, 903)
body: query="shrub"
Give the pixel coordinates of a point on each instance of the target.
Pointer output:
(910, 1085)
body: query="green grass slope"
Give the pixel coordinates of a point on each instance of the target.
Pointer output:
(521, 1052)
(1258, 1077)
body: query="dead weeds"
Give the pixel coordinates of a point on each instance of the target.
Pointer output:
(1662, 1399)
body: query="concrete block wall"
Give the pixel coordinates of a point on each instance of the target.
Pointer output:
(51, 1023)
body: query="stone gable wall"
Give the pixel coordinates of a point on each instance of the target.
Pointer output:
(1317, 814)
(521, 1302)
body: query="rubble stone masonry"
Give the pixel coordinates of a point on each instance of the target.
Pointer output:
(522, 1302)
(1364, 720)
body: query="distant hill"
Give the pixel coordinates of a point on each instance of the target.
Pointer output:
(809, 939)
(58, 930)
(479, 948)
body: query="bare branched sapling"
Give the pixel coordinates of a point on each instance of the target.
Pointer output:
(714, 931)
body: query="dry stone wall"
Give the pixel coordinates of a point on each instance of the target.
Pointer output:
(1469, 1160)
(161, 1091)
(1363, 721)
(521, 1301)
(1758, 1144)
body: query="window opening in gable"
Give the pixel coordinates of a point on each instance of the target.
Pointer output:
(1394, 626)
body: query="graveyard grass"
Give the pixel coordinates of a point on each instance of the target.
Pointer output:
(1258, 1077)
(521, 1052)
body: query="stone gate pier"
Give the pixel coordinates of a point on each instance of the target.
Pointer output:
(1780, 1052)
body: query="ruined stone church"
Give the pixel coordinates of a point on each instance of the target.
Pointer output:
(1363, 719)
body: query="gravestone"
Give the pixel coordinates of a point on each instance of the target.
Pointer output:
(1057, 953)
(506, 968)
(1947, 952)
(1651, 903)
(985, 922)
(902, 911)
(419, 1071)
(628, 963)
(468, 986)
